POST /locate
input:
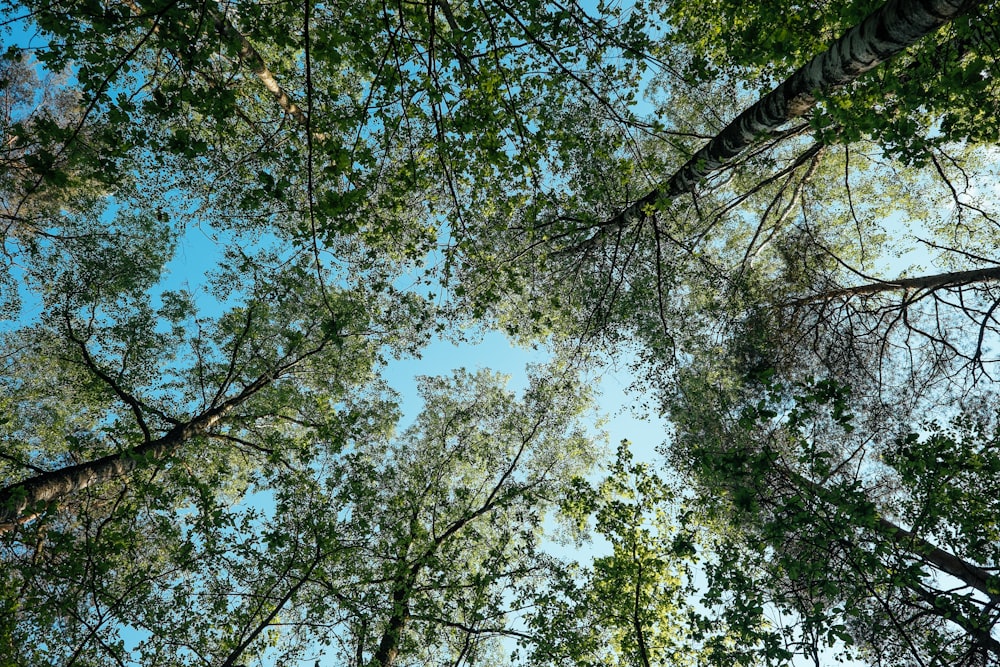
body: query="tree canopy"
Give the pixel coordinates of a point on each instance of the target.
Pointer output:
(781, 218)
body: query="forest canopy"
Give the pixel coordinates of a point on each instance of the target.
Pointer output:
(782, 219)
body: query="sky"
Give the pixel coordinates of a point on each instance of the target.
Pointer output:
(491, 350)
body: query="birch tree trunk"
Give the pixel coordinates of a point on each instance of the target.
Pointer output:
(248, 54)
(18, 501)
(882, 35)
(24, 496)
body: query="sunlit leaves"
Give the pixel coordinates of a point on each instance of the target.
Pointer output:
(865, 556)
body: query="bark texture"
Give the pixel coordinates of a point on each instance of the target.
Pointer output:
(951, 279)
(882, 35)
(388, 647)
(18, 502)
(249, 55)
(25, 496)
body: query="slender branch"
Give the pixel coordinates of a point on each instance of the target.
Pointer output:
(636, 608)
(266, 621)
(505, 632)
(133, 403)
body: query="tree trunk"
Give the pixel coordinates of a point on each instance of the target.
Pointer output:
(979, 632)
(36, 491)
(640, 636)
(883, 34)
(247, 54)
(971, 575)
(932, 282)
(388, 646)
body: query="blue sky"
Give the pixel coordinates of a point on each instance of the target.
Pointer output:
(197, 252)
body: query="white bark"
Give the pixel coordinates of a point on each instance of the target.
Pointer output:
(882, 35)
(20, 502)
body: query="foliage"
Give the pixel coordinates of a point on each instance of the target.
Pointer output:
(625, 607)
(208, 472)
(858, 549)
(665, 585)
(354, 555)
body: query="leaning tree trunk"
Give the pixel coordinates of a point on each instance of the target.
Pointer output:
(968, 573)
(950, 280)
(20, 502)
(247, 52)
(883, 34)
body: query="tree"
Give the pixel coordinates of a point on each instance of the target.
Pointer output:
(389, 550)
(775, 245)
(471, 480)
(386, 130)
(128, 407)
(627, 607)
(489, 153)
(643, 600)
(879, 37)
(862, 540)
(131, 396)
(51, 164)
(787, 208)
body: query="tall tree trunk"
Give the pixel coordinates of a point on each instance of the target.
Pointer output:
(248, 54)
(882, 35)
(36, 491)
(968, 573)
(388, 647)
(931, 282)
